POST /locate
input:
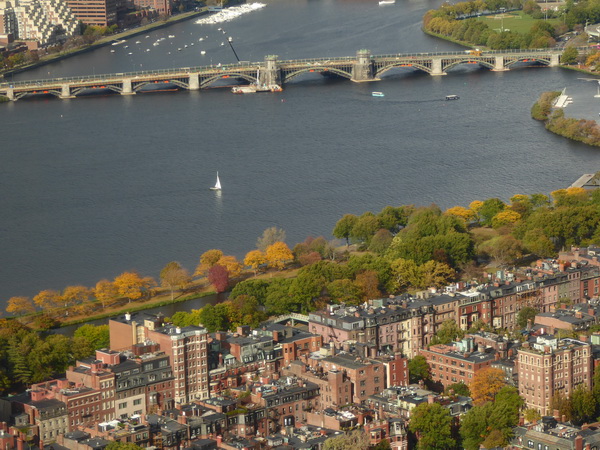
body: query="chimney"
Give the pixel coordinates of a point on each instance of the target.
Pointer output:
(127, 316)
(219, 441)
(431, 399)
(578, 442)
(275, 335)
(592, 312)
(20, 445)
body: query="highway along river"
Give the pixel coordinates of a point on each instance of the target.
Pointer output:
(93, 187)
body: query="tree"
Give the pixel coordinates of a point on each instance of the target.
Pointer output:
(74, 295)
(486, 384)
(20, 306)
(355, 440)
(447, 332)
(255, 259)
(343, 227)
(251, 288)
(218, 277)
(117, 445)
(208, 259)
(458, 389)
(368, 282)
(432, 424)
(504, 249)
(525, 315)
(231, 264)
(131, 285)
(583, 404)
(506, 217)
(97, 335)
(418, 369)
(569, 56)
(215, 318)
(460, 211)
(489, 209)
(48, 299)
(174, 276)
(532, 415)
(381, 241)
(106, 292)
(278, 254)
(365, 228)
(344, 291)
(269, 237)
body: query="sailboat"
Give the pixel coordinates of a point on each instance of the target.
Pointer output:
(217, 186)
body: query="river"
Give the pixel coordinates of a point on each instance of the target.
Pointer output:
(93, 187)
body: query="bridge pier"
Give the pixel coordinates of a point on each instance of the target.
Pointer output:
(362, 70)
(10, 94)
(270, 74)
(194, 83)
(499, 64)
(436, 66)
(127, 88)
(65, 92)
(554, 60)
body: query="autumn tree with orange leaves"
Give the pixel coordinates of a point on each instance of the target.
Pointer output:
(486, 384)
(48, 299)
(20, 306)
(106, 292)
(208, 259)
(255, 259)
(278, 255)
(131, 285)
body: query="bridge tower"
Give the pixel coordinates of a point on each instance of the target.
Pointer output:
(270, 74)
(362, 69)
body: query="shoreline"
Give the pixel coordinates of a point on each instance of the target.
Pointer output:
(107, 40)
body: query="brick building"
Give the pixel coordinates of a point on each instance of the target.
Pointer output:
(548, 366)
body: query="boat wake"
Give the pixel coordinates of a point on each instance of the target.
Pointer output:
(230, 13)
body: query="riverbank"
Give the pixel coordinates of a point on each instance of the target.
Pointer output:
(580, 130)
(107, 40)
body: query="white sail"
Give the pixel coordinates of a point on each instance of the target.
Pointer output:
(217, 186)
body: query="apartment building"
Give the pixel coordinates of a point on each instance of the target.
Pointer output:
(548, 366)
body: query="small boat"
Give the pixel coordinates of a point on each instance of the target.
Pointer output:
(112, 51)
(171, 36)
(387, 2)
(138, 42)
(377, 94)
(250, 89)
(452, 97)
(203, 52)
(118, 42)
(217, 186)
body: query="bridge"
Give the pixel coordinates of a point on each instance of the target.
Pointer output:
(362, 67)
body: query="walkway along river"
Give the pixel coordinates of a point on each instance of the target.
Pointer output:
(92, 188)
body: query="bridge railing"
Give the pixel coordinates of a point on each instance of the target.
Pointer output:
(107, 78)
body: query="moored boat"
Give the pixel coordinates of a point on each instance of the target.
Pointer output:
(377, 94)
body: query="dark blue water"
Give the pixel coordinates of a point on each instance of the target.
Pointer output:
(92, 187)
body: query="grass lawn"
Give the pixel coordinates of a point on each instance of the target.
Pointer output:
(515, 21)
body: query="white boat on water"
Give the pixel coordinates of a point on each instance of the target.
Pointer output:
(118, 42)
(386, 2)
(203, 52)
(377, 94)
(217, 186)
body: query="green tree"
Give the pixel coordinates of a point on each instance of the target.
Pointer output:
(252, 288)
(489, 209)
(97, 335)
(344, 291)
(215, 318)
(418, 369)
(531, 415)
(343, 227)
(448, 332)
(458, 389)
(432, 424)
(381, 241)
(583, 405)
(525, 315)
(365, 228)
(569, 56)
(117, 445)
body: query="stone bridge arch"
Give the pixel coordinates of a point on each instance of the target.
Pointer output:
(410, 65)
(483, 62)
(111, 87)
(316, 69)
(207, 81)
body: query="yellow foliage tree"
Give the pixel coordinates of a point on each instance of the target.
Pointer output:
(462, 212)
(48, 299)
(131, 285)
(255, 259)
(486, 384)
(75, 295)
(519, 198)
(506, 217)
(234, 268)
(278, 254)
(476, 205)
(20, 305)
(208, 259)
(106, 292)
